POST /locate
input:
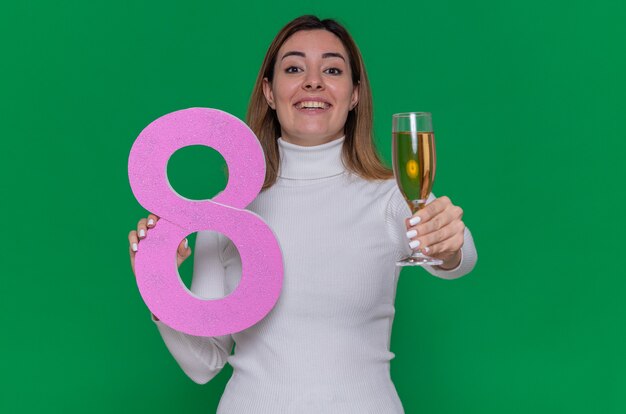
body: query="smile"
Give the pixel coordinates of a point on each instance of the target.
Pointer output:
(311, 105)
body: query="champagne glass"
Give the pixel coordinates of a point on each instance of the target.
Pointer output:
(414, 160)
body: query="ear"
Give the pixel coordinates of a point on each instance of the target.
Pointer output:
(267, 91)
(354, 100)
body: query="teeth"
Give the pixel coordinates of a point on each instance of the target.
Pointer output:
(313, 104)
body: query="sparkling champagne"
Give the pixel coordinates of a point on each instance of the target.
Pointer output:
(414, 162)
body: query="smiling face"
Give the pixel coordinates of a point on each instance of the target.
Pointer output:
(312, 90)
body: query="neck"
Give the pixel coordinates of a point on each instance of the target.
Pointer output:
(310, 141)
(299, 162)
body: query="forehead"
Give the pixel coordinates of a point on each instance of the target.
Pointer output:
(313, 42)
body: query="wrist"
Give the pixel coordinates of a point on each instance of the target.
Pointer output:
(451, 262)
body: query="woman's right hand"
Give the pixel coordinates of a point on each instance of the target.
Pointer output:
(143, 227)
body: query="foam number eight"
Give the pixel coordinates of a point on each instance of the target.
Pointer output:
(155, 263)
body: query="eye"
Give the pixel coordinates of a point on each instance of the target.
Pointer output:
(334, 71)
(292, 69)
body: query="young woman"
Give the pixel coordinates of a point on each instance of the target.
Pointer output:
(341, 223)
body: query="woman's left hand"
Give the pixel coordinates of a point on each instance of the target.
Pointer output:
(438, 229)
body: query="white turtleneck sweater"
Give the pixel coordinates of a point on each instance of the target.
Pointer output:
(324, 347)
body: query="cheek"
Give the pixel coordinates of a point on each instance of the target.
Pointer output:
(283, 91)
(344, 94)
(281, 101)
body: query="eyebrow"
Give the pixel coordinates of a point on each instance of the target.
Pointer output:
(324, 56)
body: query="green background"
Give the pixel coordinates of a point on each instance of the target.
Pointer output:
(527, 100)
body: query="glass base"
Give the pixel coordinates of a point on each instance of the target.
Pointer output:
(419, 259)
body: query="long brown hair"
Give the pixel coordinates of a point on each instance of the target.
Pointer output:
(359, 152)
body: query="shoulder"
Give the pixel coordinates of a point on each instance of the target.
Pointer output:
(387, 192)
(377, 188)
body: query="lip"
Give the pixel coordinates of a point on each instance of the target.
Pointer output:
(312, 99)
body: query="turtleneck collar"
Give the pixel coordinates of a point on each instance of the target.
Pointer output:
(307, 163)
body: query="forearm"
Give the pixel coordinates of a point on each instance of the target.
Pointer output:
(201, 358)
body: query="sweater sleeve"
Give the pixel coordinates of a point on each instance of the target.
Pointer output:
(202, 358)
(398, 211)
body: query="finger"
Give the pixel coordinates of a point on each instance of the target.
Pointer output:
(449, 231)
(133, 242)
(412, 221)
(183, 248)
(132, 259)
(431, 210)
(186, 252)
(449, 215)
(152, 220)
(141, 228)
(446, 247)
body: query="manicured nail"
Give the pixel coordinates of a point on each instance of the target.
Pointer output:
(142, 233)
(186, 243)
(411, 233)
(134, 247)
(414, 244)
(150, 222)
(415, 220)
(426, 249)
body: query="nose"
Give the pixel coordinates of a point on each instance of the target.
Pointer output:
(313, 82)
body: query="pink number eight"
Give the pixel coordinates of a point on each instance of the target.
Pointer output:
(155, 263)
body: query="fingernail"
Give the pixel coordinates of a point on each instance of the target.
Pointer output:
(150, 222)
(142, 233)
(186, 243)
(134, 247)
(414, 244)
(415, 220)
(426, 249)
(411, 233)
